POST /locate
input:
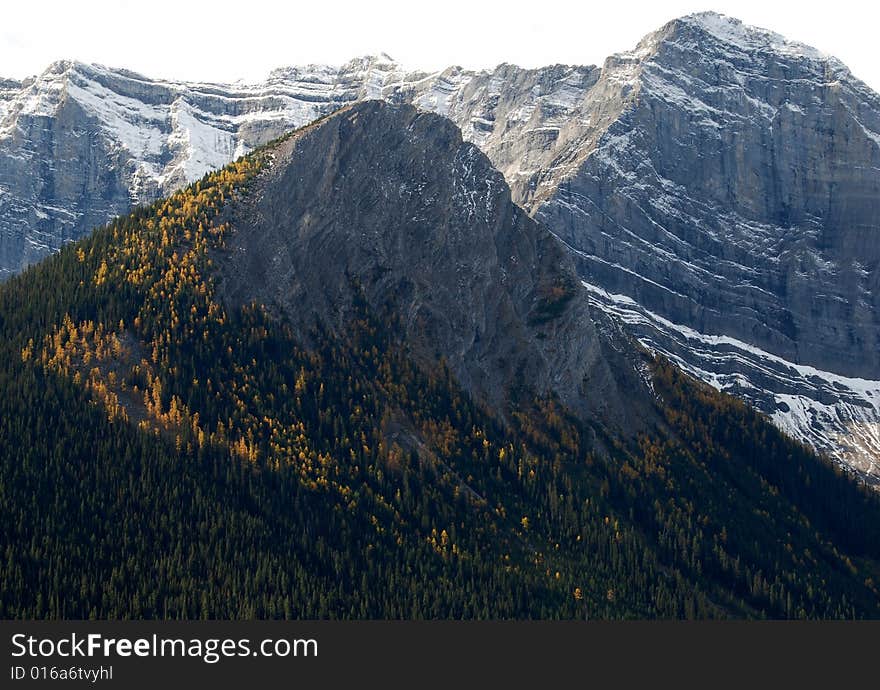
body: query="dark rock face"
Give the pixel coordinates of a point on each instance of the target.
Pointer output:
(394, 200)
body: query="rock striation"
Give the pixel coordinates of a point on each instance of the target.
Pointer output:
(731, 214)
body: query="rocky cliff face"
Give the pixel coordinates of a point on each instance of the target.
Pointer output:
(717, 187)
(730, 213)
(754, 166)
(391, 201)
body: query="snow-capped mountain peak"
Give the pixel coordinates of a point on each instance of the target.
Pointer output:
(735, 34)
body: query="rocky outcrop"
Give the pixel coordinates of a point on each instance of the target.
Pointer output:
(392, 200)
(80, 143)
(742, 185)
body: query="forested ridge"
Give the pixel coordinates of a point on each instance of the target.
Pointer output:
(166, 456)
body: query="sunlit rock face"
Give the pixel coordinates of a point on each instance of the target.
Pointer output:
(731, 215)
(80, 143)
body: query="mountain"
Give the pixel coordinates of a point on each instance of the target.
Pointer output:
(345, 376)
(730, 215)
(716, 187)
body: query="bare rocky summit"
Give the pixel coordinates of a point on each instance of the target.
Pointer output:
(390, 202)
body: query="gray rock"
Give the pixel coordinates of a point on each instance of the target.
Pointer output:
(742, 185)
(393, 200)
(733, 206)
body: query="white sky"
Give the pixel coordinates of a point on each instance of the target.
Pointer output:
(227, 40)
